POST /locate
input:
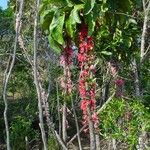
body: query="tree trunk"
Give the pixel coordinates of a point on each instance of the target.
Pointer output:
(146, 19)
(97, 138)
(41, 124)
(64, 132)
(91, 131)
(114, 144)
(136, 78)
(77, 125)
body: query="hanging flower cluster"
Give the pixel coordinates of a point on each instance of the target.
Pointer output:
(66, 62)
(87, 81)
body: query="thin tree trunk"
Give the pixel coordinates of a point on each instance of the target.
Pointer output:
(6, 78)
(109, 144)
(27, 143)
(41, 124)
(49, 123)
(136, 78)
(91, 131)
(114, 144)
(77, 125)
(9, 70)
(146, 19)
(97, 138)
(64, 132)
(58, 110)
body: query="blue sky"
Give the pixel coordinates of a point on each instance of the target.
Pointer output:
(3, 4)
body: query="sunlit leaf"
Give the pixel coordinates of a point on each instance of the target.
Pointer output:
(54, 45)
(57, 32)
(89, 6)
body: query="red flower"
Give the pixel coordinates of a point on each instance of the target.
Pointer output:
(81, 57)
(119, 82)
(92, 104)
(82, 92)
(84, 104)
(84, 74)
(95, 119)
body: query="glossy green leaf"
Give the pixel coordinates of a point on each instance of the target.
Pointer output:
(54, 45)
(73, 19)
(106, 53)
(89, 6)
(74, 15)
(69, 28)
(57, 32)
(54, 20)
(46, 18)
(70, 4)
(91, 23)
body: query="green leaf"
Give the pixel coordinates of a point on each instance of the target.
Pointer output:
(69, 28)
(73, 19)
(54, 45)
(70, 4)
(74, 15)
(132, 21)
(106, 53)
(91, 23)
(54, 20)
(89, 6)
(57, 32)
(46, 18)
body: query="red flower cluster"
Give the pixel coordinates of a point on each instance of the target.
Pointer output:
(66, 62)
(66, 57)
(87, 84)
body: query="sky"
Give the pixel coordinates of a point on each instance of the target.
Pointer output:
(3, 4)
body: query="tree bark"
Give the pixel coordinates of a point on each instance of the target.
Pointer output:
(77, 125)
(146, 19)
(136, 78)
(97, 138)
(58, 110)
(64, 132)
(91, 131)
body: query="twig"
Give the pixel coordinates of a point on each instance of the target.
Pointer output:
(104, 106)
